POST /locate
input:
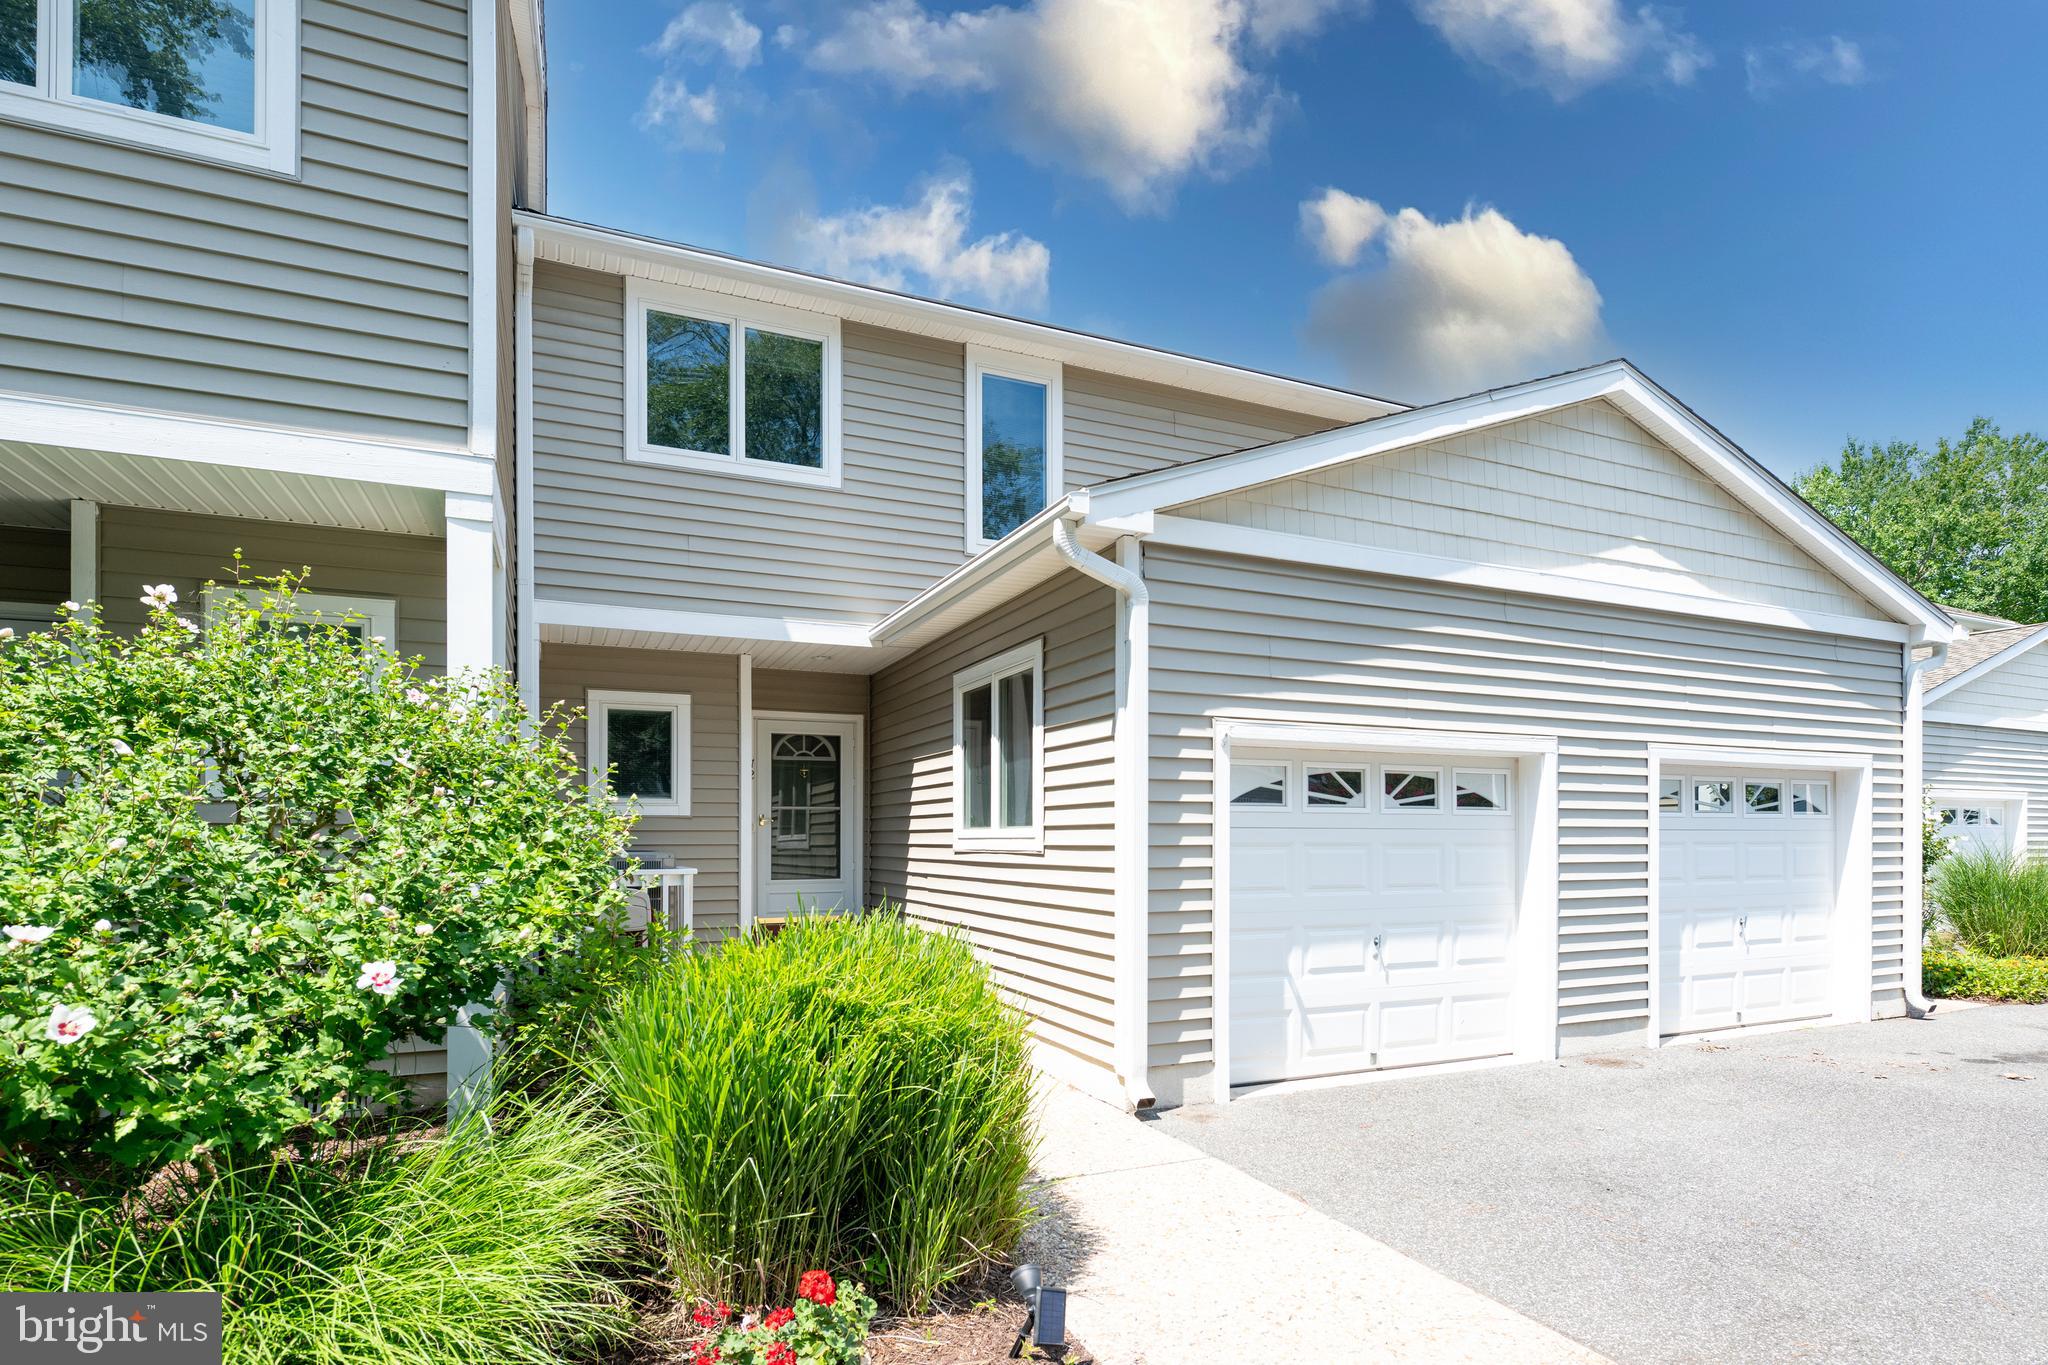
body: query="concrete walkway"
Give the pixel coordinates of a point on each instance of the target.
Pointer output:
(1172, 1257)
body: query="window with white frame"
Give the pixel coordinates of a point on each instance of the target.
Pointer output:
(640, 749)
(998, 742)
(1809, 798)
(365, 619)
(207, 78)
(1480, 789)
(1014, 452)
(1410, 789)
(720, 383)
(1258, 784)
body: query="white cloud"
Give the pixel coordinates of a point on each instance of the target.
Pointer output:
(924, 245)
(1453, 306)
(708, 29)
(689, 117)
(1566, 45)
(1833, 60)
(1339, 225)
(1134, 93)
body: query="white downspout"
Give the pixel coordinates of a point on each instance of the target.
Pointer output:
(1133, 736)
(1917, 1005)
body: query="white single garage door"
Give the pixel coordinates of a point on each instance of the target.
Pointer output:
(1372, 905)
(1746, 889)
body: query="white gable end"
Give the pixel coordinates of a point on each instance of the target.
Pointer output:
(2012, 695)
(1578, 492)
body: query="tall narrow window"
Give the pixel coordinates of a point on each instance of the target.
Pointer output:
(722, 383)
(209, 78)
(997, 745)
(1013, 442)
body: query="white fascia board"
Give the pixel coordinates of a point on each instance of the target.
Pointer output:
(37, 420)
(1975, 672)
(1616, 381)
(1195, 534)
(660, 621)
(622, 253)
(530, 47)
(484, 131)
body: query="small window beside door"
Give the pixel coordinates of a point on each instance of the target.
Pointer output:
(998, 729)
(640, 749)
(1014, 465)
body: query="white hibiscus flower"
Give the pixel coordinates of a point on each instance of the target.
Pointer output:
(28, 933)
(158, 595)
(381, 977)
(69, 1023)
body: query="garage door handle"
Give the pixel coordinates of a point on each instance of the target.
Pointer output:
(1742, 924)
(1375, 945)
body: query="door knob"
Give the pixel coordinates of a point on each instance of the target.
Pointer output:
(761, 822)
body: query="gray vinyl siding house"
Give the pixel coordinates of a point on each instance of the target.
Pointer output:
(1281, 732)
(1987, 740)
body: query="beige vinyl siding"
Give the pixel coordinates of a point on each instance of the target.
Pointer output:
(708, 837)
(336, 301)
(625, 533)
(1256, 639)
(2003, 759)
(1581, 492)
(2014, 693)
(139, 546)
(1116, 427)
(836, 694)
(35, 565)
(1044, 922)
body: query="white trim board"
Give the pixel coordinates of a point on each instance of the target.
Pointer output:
(550, 611)
(1619, 383)
(1977, 671)
(1223, 538)
(37, 420)
(1534, 1007)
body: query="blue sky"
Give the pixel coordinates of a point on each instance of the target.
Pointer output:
(1808, 220)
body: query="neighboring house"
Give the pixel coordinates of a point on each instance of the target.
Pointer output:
(1252, 729)
(270, 309)
(1987, 737)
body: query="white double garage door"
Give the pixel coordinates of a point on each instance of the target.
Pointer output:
(1373, 908)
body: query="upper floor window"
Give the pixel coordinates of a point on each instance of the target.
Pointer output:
(206, 78)
(1013, 442)
(727, 384)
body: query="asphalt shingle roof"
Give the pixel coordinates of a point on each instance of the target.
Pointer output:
(1965, 654)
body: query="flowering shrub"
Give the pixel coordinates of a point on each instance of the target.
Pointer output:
(236, 864)
(825, 1326)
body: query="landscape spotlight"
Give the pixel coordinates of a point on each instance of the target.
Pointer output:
(1045, 1319)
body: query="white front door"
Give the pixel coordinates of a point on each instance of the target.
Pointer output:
(1372, 906)
(1978, 826)
(807, 819)
(1746, 893)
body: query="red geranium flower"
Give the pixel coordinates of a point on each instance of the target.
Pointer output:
(779, 1353)
(704, 1315)
(780, 1318)
(708, 1355)
(817, 1286)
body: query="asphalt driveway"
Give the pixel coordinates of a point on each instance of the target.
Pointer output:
(1863, 1194)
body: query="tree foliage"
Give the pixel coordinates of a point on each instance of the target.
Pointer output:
(1965, 523)
(237, 864)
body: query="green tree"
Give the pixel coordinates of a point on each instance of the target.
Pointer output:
(1965, 523)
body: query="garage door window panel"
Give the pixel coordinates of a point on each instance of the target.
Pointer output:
(1479, 790)
(1338, 787)
(1810, 798)
(1713, 798)
(1763, 798)
(1258, 784)
(1411, 789)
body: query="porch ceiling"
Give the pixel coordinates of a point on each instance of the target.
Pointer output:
(38, 482)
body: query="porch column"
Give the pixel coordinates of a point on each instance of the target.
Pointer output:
(475, 643)
(473, 636)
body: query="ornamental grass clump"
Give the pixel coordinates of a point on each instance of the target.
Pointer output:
(1994, 903)
(238, 862)
(402, 1249)
(852, 1093)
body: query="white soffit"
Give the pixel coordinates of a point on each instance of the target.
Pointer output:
(620, 253)
(38, 482)
(794, 655)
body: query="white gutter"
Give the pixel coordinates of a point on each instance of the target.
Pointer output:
(526, 663)
(1133, 735)
(1912, 933)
